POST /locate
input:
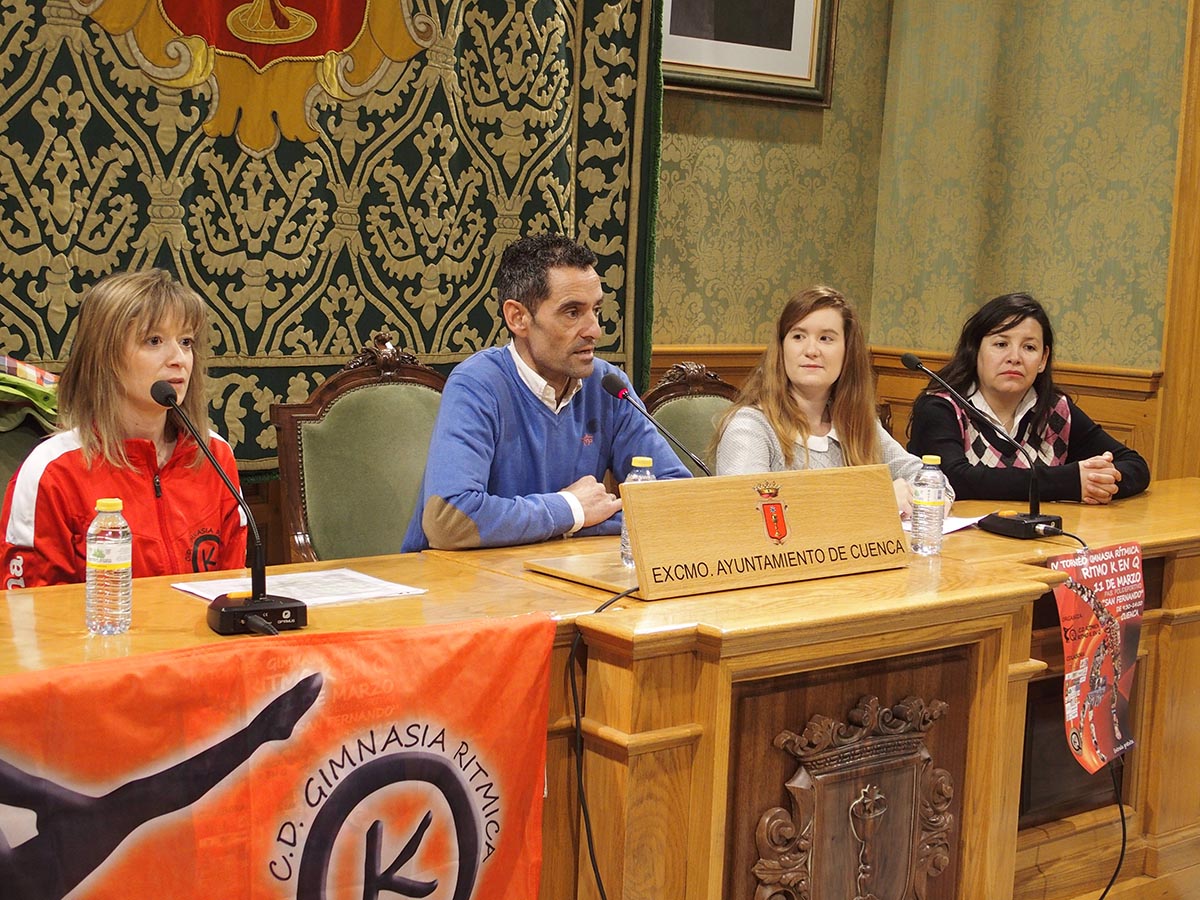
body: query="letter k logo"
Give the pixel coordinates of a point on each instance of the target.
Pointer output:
(374, 881)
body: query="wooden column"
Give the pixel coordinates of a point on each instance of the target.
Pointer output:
(640, 745)
(1172, 793)
(1179, 428)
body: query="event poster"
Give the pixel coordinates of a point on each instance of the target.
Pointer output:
(1100, 611)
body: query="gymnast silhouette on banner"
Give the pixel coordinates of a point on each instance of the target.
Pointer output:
(78, 832)
(1100, 611)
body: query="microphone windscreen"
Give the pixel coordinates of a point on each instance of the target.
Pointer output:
(614, 385)
(911, 361)
(163, 393)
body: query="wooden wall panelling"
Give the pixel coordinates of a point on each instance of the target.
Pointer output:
(1125, 401)
(265, 499)
(733, 362)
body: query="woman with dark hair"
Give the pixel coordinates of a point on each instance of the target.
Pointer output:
(810, 402)
(1003, 365)
(134, 328)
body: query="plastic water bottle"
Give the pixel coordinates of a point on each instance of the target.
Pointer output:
(643, 470)
(109, 570)
(929, 507)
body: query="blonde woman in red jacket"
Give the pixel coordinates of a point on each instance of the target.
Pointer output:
(134, 329)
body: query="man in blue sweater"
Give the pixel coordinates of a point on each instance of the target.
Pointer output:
(525, 433)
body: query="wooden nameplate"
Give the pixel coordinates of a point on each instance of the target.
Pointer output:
(693, 536)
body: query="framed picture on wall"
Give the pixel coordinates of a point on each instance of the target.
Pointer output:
(774, 49)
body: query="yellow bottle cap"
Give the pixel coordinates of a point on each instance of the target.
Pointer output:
(931, 459)
(109, 504)
(643, 462)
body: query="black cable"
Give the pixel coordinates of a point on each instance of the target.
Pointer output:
(1112, 769)
(259, 625)
(1051, 531)
(1074, 537)
(583, 806)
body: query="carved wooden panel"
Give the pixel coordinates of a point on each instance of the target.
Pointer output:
(869, 815)
(902, 766)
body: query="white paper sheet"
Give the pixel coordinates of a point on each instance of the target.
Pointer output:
(314, 588)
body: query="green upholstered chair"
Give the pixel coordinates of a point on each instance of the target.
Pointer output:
(16, 441)
(352, 457)
(688, 401)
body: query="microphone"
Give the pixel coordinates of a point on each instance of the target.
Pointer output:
(613, 383)
(235, 613)
(1026, 526)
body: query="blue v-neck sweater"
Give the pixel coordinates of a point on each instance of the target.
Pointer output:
(499, 456)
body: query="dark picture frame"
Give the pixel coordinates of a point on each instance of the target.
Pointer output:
(765, 49)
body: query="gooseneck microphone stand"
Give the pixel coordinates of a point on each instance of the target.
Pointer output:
(1026, 526)
(234, 613)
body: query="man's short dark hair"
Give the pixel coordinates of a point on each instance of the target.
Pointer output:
(526, 262)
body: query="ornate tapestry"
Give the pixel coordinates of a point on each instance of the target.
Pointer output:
(319, 170)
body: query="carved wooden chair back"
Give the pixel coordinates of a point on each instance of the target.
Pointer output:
(351, 457)
(688, 401)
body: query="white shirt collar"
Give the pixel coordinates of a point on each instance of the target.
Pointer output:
(1027, 403)
(820, 444)
(541, 388)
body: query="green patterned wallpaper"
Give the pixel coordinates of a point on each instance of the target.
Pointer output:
(1022, 145)
(757, 200)
(1030, 146)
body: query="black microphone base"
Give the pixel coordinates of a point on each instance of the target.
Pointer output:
(1019, 525)
(227, 615)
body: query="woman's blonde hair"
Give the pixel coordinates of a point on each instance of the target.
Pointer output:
(115, 314)
(852, 397)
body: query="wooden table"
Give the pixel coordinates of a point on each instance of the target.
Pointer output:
(44, 627)
(684, 698)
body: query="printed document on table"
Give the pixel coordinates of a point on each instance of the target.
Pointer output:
(314, 588)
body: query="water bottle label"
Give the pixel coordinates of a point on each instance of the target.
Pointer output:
(110, 556)
(927, 496)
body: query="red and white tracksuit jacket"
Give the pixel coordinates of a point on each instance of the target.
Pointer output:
(183, 518)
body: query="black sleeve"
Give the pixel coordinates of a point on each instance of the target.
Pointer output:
(1088, 439)
(935, 429)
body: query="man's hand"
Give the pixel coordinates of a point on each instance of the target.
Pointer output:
(598, 504)
(1098, 479)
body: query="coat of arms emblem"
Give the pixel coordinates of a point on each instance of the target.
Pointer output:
(772, 511)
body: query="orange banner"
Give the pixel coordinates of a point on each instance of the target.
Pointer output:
(380, 764)
(1100, 611)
